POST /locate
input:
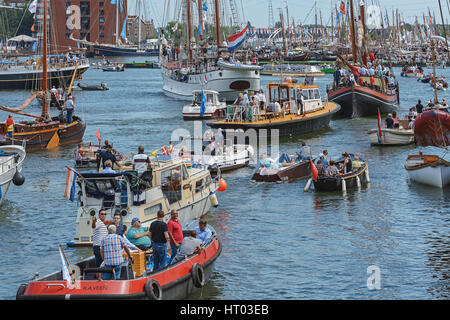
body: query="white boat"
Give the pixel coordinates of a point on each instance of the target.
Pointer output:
(213, 107)
(428, 169)
(227, 79)
(11, 159)
(391, 136)
(234, 157)
(169, 185)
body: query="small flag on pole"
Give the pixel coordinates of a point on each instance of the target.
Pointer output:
(203, 105)
(379, 134)
(70, 184)
(165, 151)
(314, 170)
(98, 136)
(65, 268)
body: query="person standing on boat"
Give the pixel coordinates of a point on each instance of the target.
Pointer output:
(111, 252)
(175, 232)
(69, 108)
(305, 152)
(337, 77)
(98, 233)
(262, 99)
(347, 163)
(108, 155)
(389, 122)
(118, 223)
(159, 234)
(141, 161)
(9, 124)
(219, 142)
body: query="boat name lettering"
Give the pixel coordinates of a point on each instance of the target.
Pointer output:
(97, 288)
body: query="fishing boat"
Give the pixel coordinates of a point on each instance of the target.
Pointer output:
(355, 178)
(138, 280)
(431, 170)
(213, 108)
(11, 160)
(297, 170)
(44, 132)
(294, 117)
(87, 156)
(213, 67)
(92, 87)
(366, 94)
(170, 184)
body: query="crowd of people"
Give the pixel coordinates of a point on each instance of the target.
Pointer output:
(163, 243)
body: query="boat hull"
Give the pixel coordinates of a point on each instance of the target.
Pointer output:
(435, 173)
(329, 184)
(31, 79)
(9, 168)
(391, 137)
(297, 171)
(367, 101)
(111, 51)
(227, 82)
(432, 128)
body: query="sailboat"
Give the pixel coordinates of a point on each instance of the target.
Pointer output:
(431, 128)
(209, 70)
(44, 132)
(364, 98)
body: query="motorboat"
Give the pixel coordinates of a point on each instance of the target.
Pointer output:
(87, 156)
(170, 184)
(213, 108)
(234, 157)
(431, 170)
(294, 171)
(138, 280)
(101, 87)
(11, 160)
(114, 68)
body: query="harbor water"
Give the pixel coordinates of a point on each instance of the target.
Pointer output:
(279, 242)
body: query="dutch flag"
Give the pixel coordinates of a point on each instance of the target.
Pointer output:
(206, 80)
(70, 184)
(235, 40)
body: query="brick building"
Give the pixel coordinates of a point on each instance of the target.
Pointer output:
(90, 20)
(147, 29)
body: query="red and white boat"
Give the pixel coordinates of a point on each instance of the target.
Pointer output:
(175, 281)
(412, 72)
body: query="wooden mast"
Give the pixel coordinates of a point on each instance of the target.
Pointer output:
(443, 26)
(44, 64)
(188, 3)
(352, 32)
(284, 33)
(363, 21)
(216, 3)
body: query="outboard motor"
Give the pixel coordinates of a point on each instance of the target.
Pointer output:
(18, 179)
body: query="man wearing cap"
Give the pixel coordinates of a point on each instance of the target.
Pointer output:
(138, 235)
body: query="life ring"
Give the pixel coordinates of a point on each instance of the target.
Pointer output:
(21, 291)
(198, 275)
(153, 290)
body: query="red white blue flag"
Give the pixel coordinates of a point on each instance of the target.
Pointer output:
(70, 184)
(235, 40)
(379, 134)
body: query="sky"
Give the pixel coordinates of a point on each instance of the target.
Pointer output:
(256, 11)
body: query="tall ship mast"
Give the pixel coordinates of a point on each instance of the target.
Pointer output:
(359, 93)
(202, 62)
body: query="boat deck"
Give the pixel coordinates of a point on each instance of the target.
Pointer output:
(264, 119)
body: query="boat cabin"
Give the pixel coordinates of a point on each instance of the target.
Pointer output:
(296, 98)
(212, 97)
(170, 184)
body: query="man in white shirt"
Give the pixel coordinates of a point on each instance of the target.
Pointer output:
(141, 163)
(262, 99)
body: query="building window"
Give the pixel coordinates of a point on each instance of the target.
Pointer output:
(102, 35)
(67, 4)
(101, 4)
(102, 12)
(101, 28)
(67, 35)
(101, 19)
(85, 8)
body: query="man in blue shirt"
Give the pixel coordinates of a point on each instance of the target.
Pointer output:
(203, 233)
(69, 109)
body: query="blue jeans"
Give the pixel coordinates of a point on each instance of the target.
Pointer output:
(159, 255)
(98, 256)
(69, 115)
(110, 276)
(174, 249)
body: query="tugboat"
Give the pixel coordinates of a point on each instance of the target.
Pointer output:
(301, 111)
(137, 281)
(170, 184)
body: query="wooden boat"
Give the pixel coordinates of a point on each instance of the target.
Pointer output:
(91, 87)
(170, 184)
(11, 160)
(412, 73)
(298, 170)
(138, 281)
(343, 182)
(431, 170)
(294, 118)
(86, 156)
(397, 136)
(432, 128)
(213, 107)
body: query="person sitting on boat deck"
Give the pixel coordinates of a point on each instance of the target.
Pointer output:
(389, 121)
(285, 160)
(111, 252)
(356, 162)
(127, 242)
(276, 108)
(159, 234)
(347, 165)
(266, 162)
(69, 108)
(396, 119)
(138, 235)
(9, 124)
(304, 152)
(203, 233)
(108, 167)
(332, 170)
(189, 246)
(320, 169)
(108, 155)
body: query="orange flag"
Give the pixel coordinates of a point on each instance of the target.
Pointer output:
(98, 136)
(314, 170)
